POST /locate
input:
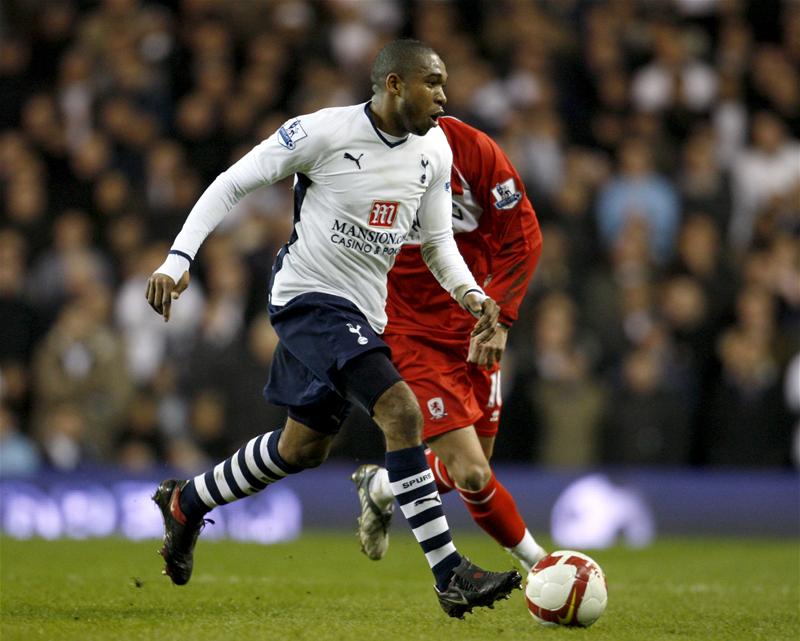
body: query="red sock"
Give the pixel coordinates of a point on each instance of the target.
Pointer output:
(493, 508)
(443, 481)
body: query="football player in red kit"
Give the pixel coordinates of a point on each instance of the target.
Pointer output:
(455, 380)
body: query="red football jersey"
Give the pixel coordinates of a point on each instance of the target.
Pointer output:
(496, 231)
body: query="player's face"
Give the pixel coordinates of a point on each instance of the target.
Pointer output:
(422, 99)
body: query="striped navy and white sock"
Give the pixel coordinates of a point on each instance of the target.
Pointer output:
(414, 488)
(249, 470)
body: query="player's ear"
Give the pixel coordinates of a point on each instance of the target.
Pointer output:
(393, 84)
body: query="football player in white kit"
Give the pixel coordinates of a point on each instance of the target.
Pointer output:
(361, 174)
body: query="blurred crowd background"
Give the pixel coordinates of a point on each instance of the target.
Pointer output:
(659, 142)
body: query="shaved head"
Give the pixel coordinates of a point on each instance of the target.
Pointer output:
(401, 57)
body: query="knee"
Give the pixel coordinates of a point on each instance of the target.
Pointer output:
(473, 477)
(398, 414)
(408, 421)
(307, 457)
(311, 459)
(410, 416)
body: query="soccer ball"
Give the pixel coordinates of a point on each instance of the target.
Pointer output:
(566, 588)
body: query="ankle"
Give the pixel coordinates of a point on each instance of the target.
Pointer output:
(380, 490)
(445, 570)
(528, 552)
(190, 503)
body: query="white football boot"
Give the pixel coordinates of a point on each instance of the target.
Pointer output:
(374, 522)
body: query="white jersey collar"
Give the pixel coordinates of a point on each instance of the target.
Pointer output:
(388, 139)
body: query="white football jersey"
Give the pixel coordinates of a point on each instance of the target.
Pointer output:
(356, 196)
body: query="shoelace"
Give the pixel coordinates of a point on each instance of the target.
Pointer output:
(202, 524)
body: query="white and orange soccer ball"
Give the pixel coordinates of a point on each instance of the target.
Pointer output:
(566, 588)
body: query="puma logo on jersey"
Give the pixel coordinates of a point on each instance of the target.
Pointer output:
(357, 161)
(362, 340)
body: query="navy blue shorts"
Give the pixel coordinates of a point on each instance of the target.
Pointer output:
(319, 335)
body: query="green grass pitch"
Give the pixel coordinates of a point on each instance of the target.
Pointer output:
(320, 588)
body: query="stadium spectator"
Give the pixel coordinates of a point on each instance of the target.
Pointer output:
(555, 271)
(568, 402)
(699, 254)
(747, 423)
(22, 326)
(734, 46)
(26, 205)
(196, 123)
(19, 316)
(15, 56)
(776, 85)
(674, 79)
(76, 95)
(556, 401)
(64, 439)
(81, 362)
(704, 186)
(226, 298)
(544, 152)
(617, 297)
(688, 327)
(207, 418)
(185, 456)
(608, 122)
(86, 163)
(140, 442)
(638, 192)
(69, 266)
(19, 455)
(729, 118)
(765, 173)
(125, 237)
(646, 422)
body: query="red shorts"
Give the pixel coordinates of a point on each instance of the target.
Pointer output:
(451, 392)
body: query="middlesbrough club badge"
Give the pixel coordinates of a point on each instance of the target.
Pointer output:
(436, 407)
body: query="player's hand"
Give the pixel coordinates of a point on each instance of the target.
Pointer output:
(162, 290)
(489, 353)
(486, 311)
